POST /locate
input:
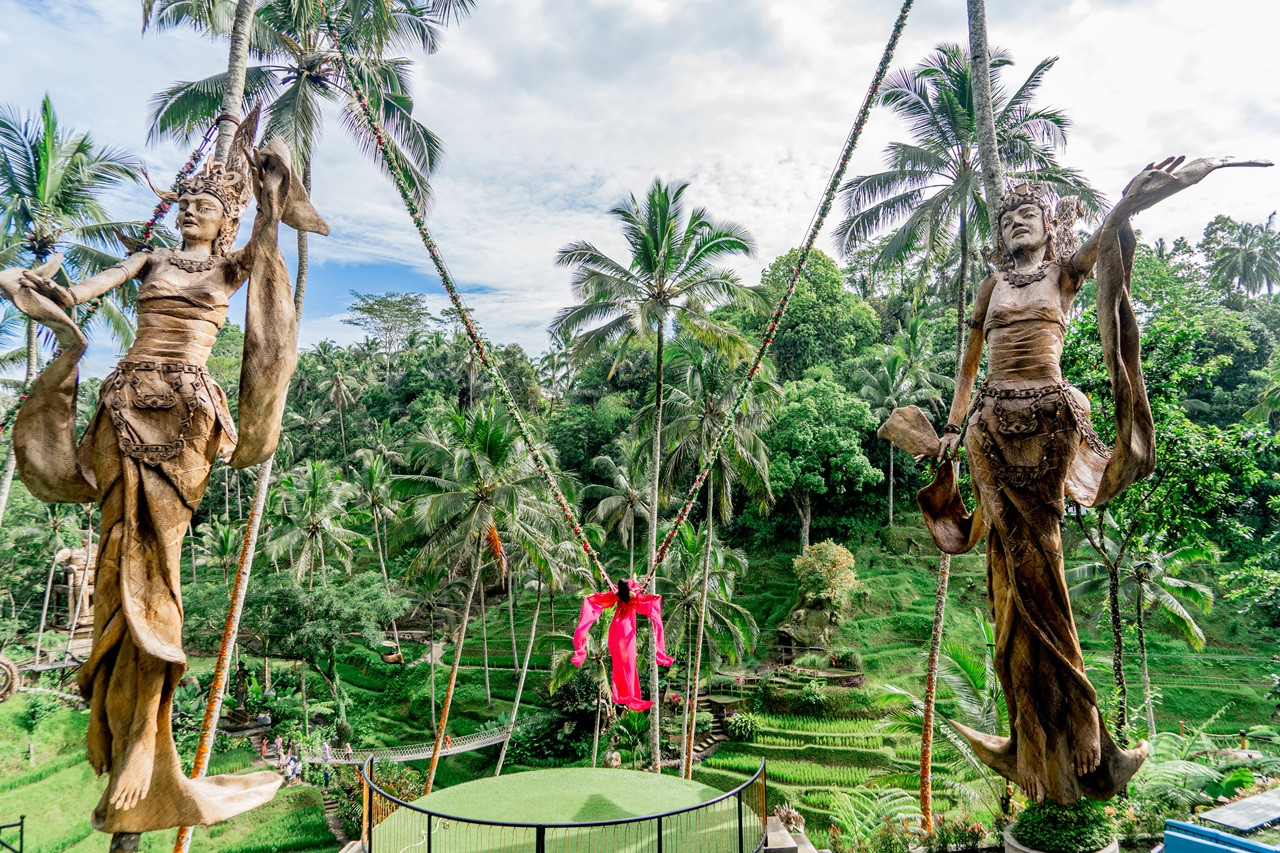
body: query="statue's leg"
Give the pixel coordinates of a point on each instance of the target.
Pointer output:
(135, 692)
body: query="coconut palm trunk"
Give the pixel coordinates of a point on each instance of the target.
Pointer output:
(931, 694)
(595, 737)
(1147, 698)
(453, 673)
(524, 672)
(983, 114)
(484, 643)
(655, 720)
(691, 703)
(237, 65)
(386, 578)
(1117, 652)
(10, 459)
(44, 611)
(891, 485)
(511, 619)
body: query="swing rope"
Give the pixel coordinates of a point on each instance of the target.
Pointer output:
(815, 226)
(481, 347)
(485, 355)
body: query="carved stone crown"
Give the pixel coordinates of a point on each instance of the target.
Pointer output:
(1024, 192)
(228, 185)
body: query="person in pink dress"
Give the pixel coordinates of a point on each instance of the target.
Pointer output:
(629, 601)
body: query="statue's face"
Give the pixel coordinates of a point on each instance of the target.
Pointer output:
(199, 217)
(1023, 228)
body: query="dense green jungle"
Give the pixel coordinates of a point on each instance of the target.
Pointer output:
(408, 533)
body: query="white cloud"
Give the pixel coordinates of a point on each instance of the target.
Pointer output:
(553, 110)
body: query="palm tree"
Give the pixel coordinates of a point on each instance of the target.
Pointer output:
(314, 526)
(621, 499)
(300, 72)
(903, 374)
(437, 593)
(673, 274)
(337, 390)
(51, 185)
(555, 367)
(47, 537)
(629, 732)
(701, 405)
(696, 583)
(932, 187)
(373, 481)
(219, 545)
(1149, 583)
(1249, 258)
(477, 483)
(596, 667)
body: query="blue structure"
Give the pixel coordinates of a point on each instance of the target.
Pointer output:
(1182, 837)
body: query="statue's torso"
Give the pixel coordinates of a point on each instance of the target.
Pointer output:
(1024, 328)
(179, 311)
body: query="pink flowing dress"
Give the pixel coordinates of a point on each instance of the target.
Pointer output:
(622, 639)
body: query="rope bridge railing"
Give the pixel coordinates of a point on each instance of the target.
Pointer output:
(411, 752)
(733, 822)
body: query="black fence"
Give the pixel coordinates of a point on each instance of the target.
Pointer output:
(733, 822)
(8, 843)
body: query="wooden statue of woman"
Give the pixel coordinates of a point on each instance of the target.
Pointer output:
(146, 456)
(1029, 443)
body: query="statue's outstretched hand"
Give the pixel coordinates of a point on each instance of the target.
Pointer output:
(1158, 181)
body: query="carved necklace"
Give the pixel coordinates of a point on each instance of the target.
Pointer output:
(192, 264)
(1022, 279)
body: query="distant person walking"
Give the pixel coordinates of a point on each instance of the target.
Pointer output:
(326, 752)
(326, 777)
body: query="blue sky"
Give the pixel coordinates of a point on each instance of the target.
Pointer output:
(553, 110)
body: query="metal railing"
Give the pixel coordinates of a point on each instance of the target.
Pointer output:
(21, 827)
(733, 822)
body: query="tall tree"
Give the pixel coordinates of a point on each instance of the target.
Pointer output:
(1149, 583)
(314, 527)
(702, 398)
(475, 482)
(673, 274)
(902, 374)
(815, 444)
(932, 188)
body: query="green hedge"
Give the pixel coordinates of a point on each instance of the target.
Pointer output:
(57, 765)
(871, 758)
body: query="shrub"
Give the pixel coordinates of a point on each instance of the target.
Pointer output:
(845, 659)
(815, 695)
(1056, 828)
(825, 571)
(951, 834)
(742, 727)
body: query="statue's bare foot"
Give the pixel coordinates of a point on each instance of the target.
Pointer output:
(1032, 787)
(134, 779)
(1087, 755)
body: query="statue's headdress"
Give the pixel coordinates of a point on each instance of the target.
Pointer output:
(230, 183)
(1059, 224)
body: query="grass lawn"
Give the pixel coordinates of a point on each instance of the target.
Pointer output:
(575, 794)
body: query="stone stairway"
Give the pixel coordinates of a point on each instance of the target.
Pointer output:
(708, 742)
(331, 817)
